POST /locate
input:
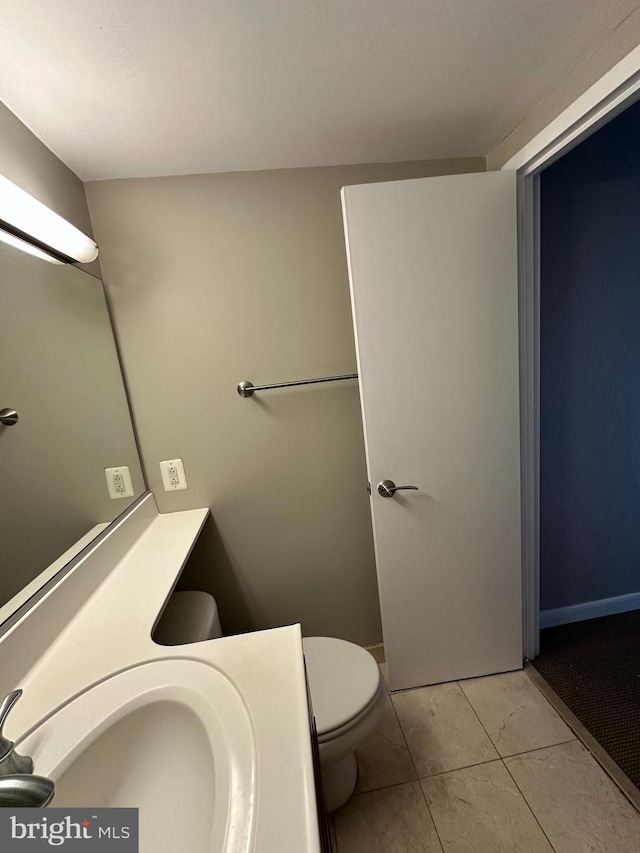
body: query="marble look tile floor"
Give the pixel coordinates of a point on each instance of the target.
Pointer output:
(481, 766)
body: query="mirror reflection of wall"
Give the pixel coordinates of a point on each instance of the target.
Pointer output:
(60, 371)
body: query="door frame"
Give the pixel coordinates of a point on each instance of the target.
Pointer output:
(601, 102)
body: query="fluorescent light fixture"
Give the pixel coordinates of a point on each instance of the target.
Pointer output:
(27, 247)
(33, 222)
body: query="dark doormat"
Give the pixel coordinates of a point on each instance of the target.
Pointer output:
(594, 667)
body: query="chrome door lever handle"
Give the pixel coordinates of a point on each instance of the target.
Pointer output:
(387, 488)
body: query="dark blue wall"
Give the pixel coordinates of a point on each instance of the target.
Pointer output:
(590, 368)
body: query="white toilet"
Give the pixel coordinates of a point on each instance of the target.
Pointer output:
(189, 617)
(347, 694)
(347, 691)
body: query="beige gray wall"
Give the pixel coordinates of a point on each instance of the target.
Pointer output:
(219, 278)
(27, 161)
(610, 51)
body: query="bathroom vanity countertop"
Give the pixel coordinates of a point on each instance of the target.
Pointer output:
(111, 633)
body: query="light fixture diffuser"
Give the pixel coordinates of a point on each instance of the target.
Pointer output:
(17, 243)
(32, 220)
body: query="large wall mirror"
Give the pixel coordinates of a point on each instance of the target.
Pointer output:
(60, 372)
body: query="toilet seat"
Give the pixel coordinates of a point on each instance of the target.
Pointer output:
(326, 737)
(344, 681)
(348, 697)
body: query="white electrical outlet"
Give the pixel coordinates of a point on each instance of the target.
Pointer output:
(173, 477)
(119, 482)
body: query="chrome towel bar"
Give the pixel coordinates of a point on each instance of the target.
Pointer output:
(247, 389)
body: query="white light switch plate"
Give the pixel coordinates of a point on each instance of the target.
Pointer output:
(173, 477)
(119, 482)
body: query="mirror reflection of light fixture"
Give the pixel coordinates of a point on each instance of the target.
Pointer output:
(33, 223)
(27, 247)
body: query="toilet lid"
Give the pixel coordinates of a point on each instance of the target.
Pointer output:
(343, 680)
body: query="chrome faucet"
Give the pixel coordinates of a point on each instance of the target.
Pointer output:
(10, 761)
(19, 786)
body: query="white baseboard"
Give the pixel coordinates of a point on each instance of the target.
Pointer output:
(590, 610)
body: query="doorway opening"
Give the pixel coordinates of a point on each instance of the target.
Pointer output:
(580, 312)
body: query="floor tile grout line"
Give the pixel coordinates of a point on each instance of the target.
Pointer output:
(415, 770)
(475, 713)
(456, 769)
(528, 804)
(404, 737)
(539, 748)
(500, 758)
(433, 820)
(402, 785)
(524, 751)
(385, 788)
(428, 776)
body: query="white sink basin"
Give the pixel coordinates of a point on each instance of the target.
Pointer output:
(171, 737)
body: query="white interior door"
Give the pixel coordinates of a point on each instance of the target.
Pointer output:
(433, 271)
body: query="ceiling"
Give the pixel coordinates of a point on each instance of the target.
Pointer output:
(128, 88)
